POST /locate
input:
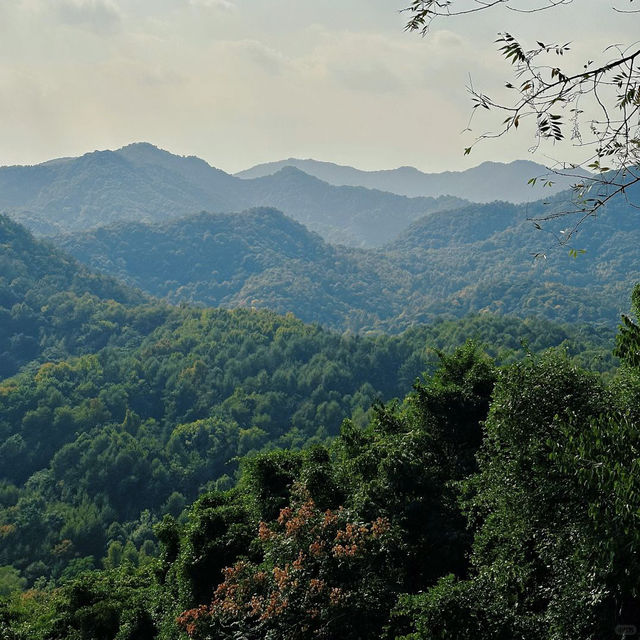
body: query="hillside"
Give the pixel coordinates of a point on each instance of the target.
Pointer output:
(353, 216)
(473, 259)
(99, 188)
(52, 306)
(127, 397)
(259, 258)
(487, 182)
(130, 407)
(143, 183)
(367, 527)
(93, 450)
(481, 258)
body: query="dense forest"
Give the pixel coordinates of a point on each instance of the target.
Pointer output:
(304, 400)
(172, 470)
(479, 506)
(395, 262)
(451, 263)
(129, 407)
(117, 411)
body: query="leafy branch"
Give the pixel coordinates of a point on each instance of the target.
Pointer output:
(596, 107)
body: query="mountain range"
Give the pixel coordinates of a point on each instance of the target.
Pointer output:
(487, 182)
(474, 259)
(143, 183)
(121, 410)
(133, 214)
(116, 409)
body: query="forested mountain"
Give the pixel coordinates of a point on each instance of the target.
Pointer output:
(481, 258)
(259, 258)
(117, 410)
(101, 187)
(345, 215)
(143, 183)
(487, 182)
(472, 259)
(479, 506)
(130, 407)
(51, 306)
(307, 401)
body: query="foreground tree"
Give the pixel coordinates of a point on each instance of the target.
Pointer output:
(325, 574)
(554, 507)
(343, 532)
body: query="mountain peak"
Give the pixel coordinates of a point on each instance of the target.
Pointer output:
(290, 170)
(407, 169)
(101, 158)
(141, 146)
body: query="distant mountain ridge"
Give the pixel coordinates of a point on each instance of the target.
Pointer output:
(473, 259)
(487, 182)
(143, 183)
(258, 258)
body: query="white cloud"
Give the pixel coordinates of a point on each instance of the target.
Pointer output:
(258, 54)
(100, 16)
(242, 81)
(226, 5)
(369, 76)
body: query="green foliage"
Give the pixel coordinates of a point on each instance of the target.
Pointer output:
(406, 464)
(628, 338)
(10, 581)
(50, 306)
(92, 443)
(219, 530)
(450, 609)
(95, 606)
(553, 511)
(446, 263)
(95, 448)
(367, 539)
(341, 532)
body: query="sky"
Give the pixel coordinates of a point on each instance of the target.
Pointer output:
(239, 82)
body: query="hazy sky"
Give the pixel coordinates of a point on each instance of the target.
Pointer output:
(238, 82)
